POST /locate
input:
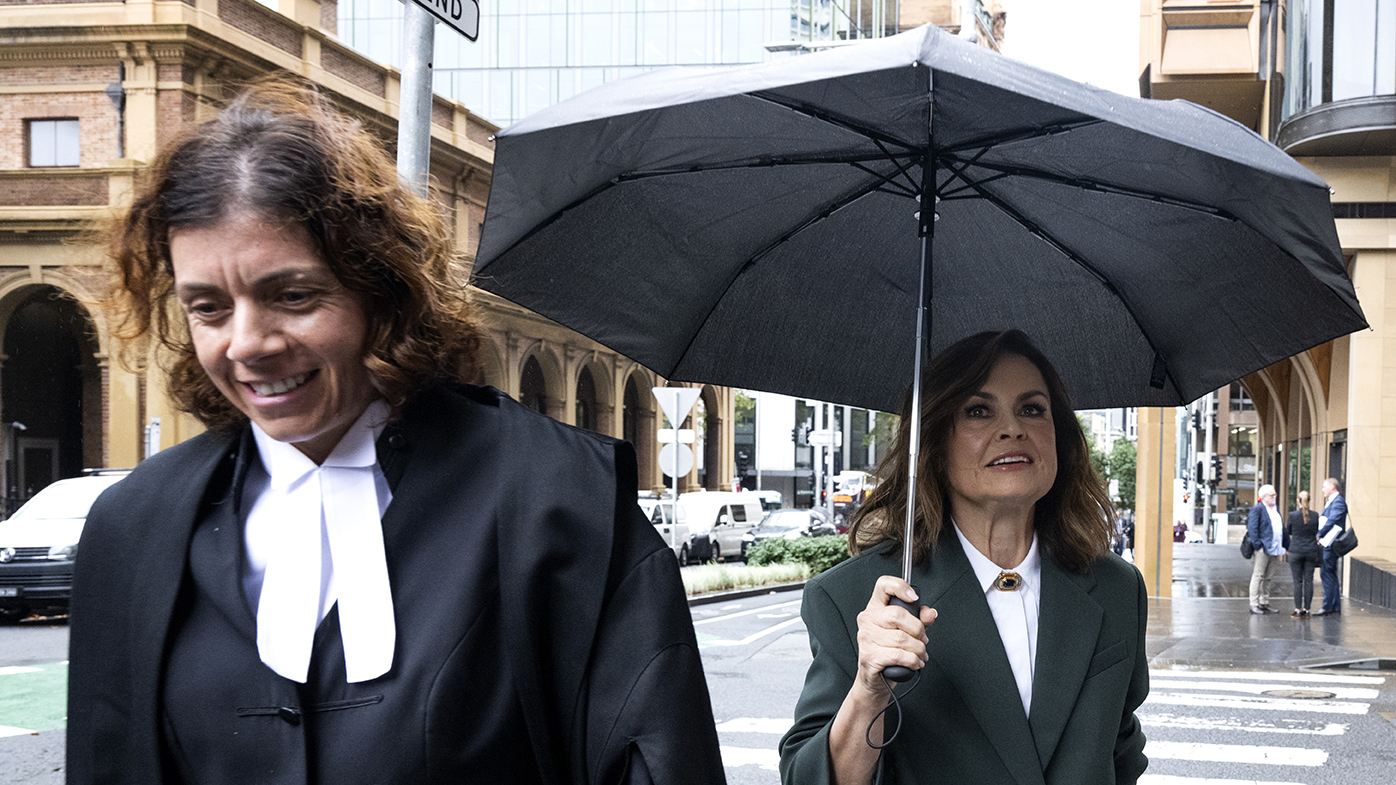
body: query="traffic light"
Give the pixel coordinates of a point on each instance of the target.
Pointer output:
(1196, 420)
(1200, 476)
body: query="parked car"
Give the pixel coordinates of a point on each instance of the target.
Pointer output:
(724, 517)
(791, 525)
(39, 542)
(674, 529)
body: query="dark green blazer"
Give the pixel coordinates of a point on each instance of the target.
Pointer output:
(964, 720)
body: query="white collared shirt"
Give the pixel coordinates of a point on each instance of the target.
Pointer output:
(1276, 531)
(276, 482)
(1015, 612)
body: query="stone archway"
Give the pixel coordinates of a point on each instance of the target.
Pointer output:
(541, 384)
(587, 411)
(50, 390)
(714, 473)
(533, 388)
(638, 426)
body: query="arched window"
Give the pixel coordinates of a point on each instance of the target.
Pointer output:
(533, 390)
(586, 401)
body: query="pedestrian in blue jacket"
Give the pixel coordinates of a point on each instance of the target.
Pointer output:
(1331, 524)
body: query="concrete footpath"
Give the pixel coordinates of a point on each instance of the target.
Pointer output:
(1207, 622)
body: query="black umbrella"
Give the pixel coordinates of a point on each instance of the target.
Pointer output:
(770, 227)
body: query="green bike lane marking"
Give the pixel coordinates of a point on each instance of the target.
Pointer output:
(33, 698)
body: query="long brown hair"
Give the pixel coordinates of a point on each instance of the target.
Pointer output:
(1073, 521)
(282, 152)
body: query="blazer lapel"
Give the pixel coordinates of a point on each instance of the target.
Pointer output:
(985, 679)
(1067, 631)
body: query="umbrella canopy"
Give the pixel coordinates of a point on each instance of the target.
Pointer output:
(761, 227)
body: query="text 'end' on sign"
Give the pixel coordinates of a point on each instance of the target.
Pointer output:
(463, 16)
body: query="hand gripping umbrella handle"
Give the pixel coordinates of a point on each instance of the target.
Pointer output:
(901, 673)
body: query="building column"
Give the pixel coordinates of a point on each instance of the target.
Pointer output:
(1371, 411)
(1153, 499)
(123, 416)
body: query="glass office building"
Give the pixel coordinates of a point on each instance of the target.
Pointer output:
(534, 53)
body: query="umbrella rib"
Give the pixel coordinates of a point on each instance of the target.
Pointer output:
(753, 164)
(845, 123)
(1091, 185)
(1066, 251)
(897, 188)
(1021, 136)
(915, 187)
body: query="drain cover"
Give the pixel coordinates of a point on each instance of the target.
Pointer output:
(1303, 694)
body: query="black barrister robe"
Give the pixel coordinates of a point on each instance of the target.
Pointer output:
(577, 610)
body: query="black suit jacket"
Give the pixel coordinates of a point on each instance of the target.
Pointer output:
(588, 611)
(964, 722)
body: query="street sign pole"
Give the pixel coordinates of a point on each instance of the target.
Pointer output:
(414, 101)
(414, 96)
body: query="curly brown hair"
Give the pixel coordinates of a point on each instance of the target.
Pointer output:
(1074, 521)
(281, 152)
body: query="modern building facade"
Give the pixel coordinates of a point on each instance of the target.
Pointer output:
(533, 54)
(1318, 78)
(88, 92)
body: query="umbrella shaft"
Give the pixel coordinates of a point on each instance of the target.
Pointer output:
(914, 452)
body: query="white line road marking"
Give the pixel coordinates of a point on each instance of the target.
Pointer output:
(1165, 673)
(753, 636)
(1169, 779)
(744, 613)
(1235, 753)
(10, 670)
(730, 607)
(756, 725)
(773, 615)
(1264, 704)
(746, 756)
(1349, 693)
(6, 730)
(1304, 727)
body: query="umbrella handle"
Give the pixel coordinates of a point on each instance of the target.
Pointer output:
(901, 673)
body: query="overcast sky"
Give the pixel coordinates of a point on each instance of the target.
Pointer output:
(1093, 41)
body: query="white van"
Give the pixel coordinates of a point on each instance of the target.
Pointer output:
(725, 516)
(673, 528)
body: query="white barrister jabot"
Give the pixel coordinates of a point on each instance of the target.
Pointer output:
(314, 538)
(1015, 611)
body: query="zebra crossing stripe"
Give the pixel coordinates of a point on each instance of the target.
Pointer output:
(6, 730)
(756, 725)
(1235, 753)
(1185, 722)
(1163, 673)
(11, 670)
(1169, 779)
(1263, 704)
(767, 759)
(1351, 693)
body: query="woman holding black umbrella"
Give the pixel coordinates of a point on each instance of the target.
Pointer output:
(1029, 641)
(365, 571)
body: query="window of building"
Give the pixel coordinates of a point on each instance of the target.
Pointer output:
(52, 142)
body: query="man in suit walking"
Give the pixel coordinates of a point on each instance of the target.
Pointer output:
(1266, 530)
(1331, 524)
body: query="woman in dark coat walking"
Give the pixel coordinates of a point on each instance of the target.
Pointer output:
(1304, 554)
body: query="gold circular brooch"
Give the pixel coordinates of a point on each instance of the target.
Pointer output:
(1008, 581)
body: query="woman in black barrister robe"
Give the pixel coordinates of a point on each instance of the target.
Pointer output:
(365, 571)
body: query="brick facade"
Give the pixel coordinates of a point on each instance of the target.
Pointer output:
(265, 24)
(96, 124)
(46, 190)
(347, 66)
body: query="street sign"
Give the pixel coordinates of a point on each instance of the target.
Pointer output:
(666, 435)
(821, 438)
(463, 16)
(676, 402)
(666, 460)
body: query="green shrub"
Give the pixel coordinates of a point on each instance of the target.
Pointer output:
(820, 553)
